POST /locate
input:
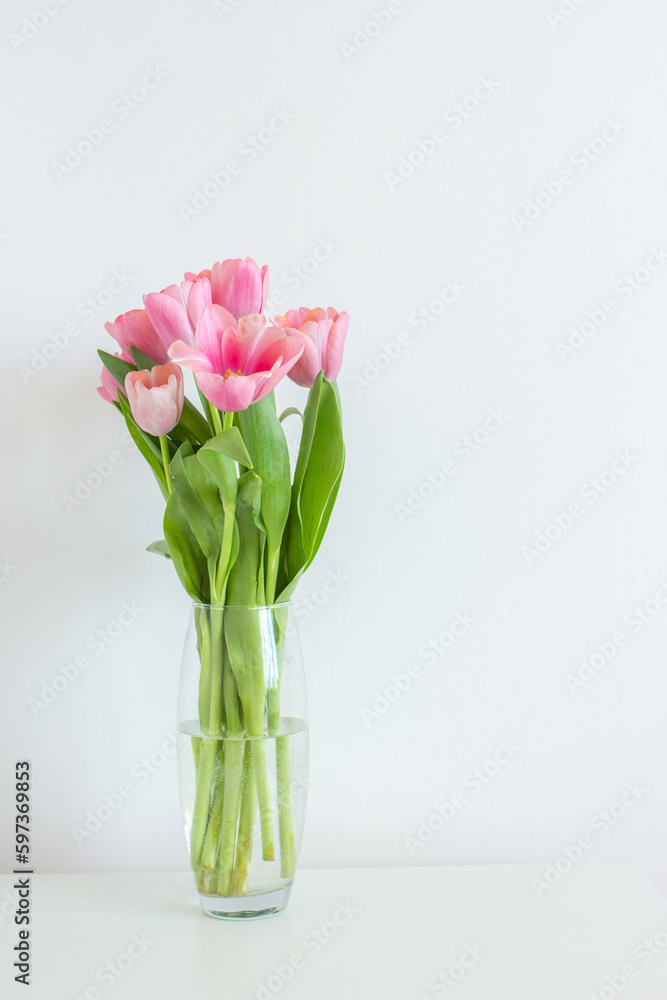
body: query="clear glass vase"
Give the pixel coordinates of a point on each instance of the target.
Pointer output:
(243, 756)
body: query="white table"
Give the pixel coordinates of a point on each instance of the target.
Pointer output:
(471, 933)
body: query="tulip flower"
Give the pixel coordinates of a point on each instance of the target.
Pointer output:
(109, 388)
(239, 362)
(323, 332)
(156, 398)
(134, 329)
(239, 286)
(175, 310)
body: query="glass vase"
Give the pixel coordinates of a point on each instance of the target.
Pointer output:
(243, 756)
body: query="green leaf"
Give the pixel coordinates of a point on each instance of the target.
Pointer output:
(289, 412)
(229, 443)
(192, 424)
(267, 447)
(246, 583)
(185, 551)
(116, 366)
(142, 360)
(160, 548)
(198, 492)
(148, 445)
(324, 523)
(222, 471)
(317, 478)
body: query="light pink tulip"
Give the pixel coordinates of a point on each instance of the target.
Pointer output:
(156, 398)
(237, 363)
(134, 329)
(323, 332)
(175, 310)
(109, 387)
(240, 286)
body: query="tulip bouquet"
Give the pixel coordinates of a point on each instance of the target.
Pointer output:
(240, 526)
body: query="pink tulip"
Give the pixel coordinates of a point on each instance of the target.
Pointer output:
(109, 387)
(237, 363)
(134, 329)
(175, 310)
(323, 333)
(240, 286)
(156, 398)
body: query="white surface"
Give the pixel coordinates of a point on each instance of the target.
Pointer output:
(382, 588)
(393, 934)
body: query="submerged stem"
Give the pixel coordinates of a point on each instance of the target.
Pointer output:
(246, 825)
(230, 814)
(285, 824)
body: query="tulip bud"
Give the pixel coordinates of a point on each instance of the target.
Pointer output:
(240, 286)
(156, 398)
(134, 329)
(323, 332)
(110, 386)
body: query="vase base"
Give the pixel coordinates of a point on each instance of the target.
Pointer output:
(263, 904)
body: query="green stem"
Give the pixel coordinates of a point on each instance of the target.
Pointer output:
(200, 809)
(228, 420)
(246, 825)
(271, 571)
(264, 797)
(204, 647)
(216, 671)
(215, 417)
(208, 408)
(283, 769)
(164, 447)
(196, 741)
(273, 703)
(213, 836)
(254, 694)
(211, 726)
(209, 853)
(285, 824)
(230, 814)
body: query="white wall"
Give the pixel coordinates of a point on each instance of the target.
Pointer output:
(412, 390)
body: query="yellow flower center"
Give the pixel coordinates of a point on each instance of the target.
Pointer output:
(229, 373)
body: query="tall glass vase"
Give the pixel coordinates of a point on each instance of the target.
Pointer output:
(243, 756)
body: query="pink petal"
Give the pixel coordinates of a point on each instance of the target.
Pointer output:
(316, 315)
(238, 286)
(228, 394)
(190, 357)
(104, 393)
(231, 350)
(174, 291)
(134, 329)
(307, 368)
(335, 345)
(213, 323)
(156, 410)
(297, 317)
(169, 317)
(292, 351)
(257, 339)
(156, 397)
(265, 286)
(199, 297)
(110, 386)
